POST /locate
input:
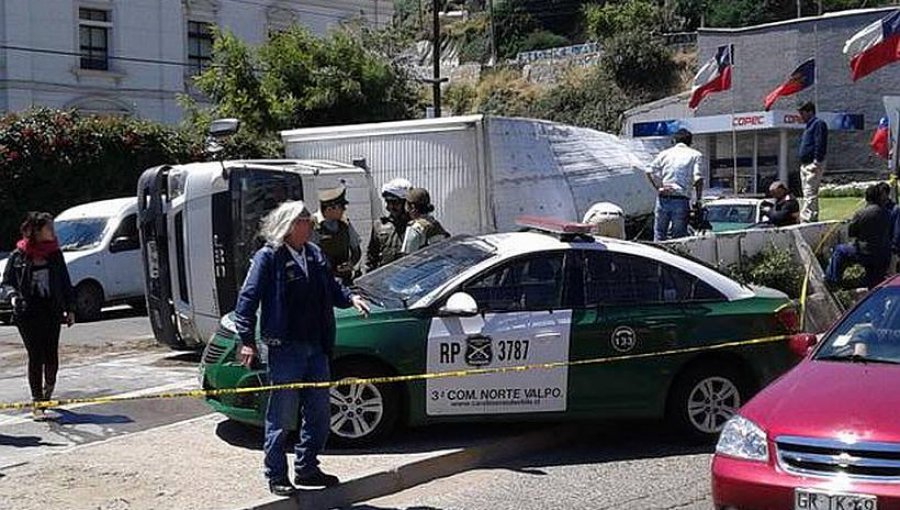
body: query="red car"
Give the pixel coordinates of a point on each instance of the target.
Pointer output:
(826, 435)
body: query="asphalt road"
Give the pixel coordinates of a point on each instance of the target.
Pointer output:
(624, 466)
(114, 356)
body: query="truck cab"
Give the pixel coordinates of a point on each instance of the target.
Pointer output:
(198, 228)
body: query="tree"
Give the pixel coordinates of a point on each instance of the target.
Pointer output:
(585, 97)
(602, 22)
(640, 63)
(296, 79)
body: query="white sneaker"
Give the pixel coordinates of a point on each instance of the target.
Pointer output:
(38, 414)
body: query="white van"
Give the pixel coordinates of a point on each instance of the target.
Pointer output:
(100, 243)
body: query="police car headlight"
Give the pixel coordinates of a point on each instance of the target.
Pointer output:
(743, 439)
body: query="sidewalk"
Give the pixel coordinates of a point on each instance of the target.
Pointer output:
(212, 463)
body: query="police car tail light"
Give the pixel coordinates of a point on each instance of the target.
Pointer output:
(789, 319)
(554, 225)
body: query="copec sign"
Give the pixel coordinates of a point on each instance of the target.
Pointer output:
(749, 121)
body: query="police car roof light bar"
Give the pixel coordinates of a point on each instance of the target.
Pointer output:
(554, 225)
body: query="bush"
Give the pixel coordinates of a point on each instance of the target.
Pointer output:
(51, 160)
(460, 98)
(772, 268)
(542, 40)
(639, 62)
(505, 92)
(585, 97)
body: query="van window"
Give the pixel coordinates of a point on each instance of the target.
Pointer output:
(125, 238)
(179, 258)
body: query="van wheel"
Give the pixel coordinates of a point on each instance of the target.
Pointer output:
(362, 414)
(704, 398)
(88, 301)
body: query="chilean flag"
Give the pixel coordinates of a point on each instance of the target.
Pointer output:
(881, 139)
(874, 47)
(714, 76)
(801, 78)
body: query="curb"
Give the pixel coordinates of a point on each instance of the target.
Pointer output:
(385, 483)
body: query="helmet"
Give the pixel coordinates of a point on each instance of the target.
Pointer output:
(396, 188)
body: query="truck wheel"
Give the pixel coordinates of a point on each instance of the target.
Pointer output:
(88, 301)
(362, 414)
(704, 398)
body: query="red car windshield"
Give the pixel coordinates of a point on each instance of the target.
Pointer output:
(870, 333)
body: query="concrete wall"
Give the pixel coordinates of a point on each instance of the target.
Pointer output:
(154, 30)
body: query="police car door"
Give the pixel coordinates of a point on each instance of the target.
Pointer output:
(522, 320)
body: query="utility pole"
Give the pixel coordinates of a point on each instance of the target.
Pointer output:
(436, 55)
(493, 33)
(799, 8)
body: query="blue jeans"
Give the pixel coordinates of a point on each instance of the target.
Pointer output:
(671, 212)
(846, 254)
(292, 362)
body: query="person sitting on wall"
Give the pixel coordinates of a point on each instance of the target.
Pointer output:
(870, 228)
(786, 210)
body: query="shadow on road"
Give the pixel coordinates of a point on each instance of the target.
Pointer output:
(238, 434)
(370, 507)
(66, 417)
(25, 441)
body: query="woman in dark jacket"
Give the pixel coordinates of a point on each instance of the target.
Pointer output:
(37, 283)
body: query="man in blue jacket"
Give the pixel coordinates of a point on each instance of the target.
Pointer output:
(290, 280)
(813, 148)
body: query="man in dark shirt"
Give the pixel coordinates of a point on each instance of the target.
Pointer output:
(813, 148)
(871, 229)
(786, 210)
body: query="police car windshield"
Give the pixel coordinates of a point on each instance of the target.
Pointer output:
(407, 280)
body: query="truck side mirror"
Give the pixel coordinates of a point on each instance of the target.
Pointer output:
(460, 304)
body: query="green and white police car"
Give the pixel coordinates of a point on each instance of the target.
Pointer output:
(551, 294)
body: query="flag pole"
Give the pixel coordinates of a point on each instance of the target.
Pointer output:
(816, 62)
(733, 114)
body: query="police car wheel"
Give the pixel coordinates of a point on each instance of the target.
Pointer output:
(362, 414)
(704, 398)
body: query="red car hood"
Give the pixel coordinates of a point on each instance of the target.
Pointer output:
(831, 399)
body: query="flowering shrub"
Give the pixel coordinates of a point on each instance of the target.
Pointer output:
(51, 160)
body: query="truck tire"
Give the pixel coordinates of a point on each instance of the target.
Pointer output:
(362, 414)
(88, 301)
(704, 397)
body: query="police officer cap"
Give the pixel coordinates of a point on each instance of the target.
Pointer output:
(396, 189)
(333, 196)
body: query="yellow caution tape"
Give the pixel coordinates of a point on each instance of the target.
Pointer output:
(381, 380)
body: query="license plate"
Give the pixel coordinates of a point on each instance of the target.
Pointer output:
(152, 260)
(807, 499)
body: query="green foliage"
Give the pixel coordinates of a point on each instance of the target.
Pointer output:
(505, 92)
(772, 268)
(460, 98)
(613, 18)
(585, 97)
(640, 63)
(542, 40)
(296, 79)
(51, 160)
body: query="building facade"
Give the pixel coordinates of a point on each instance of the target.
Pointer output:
(134, 57)
(766, 142)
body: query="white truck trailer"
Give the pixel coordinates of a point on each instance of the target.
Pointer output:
(482, 171)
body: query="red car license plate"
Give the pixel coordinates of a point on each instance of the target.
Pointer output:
(808, 499)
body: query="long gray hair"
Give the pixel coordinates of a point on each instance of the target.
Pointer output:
(277, 224)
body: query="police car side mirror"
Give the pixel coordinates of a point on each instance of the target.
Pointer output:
(460, 304)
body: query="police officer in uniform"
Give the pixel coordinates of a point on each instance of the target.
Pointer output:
(335, 235)
(423, 229)
(386, 241)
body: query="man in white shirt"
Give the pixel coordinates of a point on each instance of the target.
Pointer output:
(675, 173)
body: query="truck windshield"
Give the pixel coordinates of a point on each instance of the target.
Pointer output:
(414, 276)
(81, 234)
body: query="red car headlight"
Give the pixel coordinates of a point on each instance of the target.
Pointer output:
(743, 439)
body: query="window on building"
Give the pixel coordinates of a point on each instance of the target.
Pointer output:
(200, 41)
(93, 30)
